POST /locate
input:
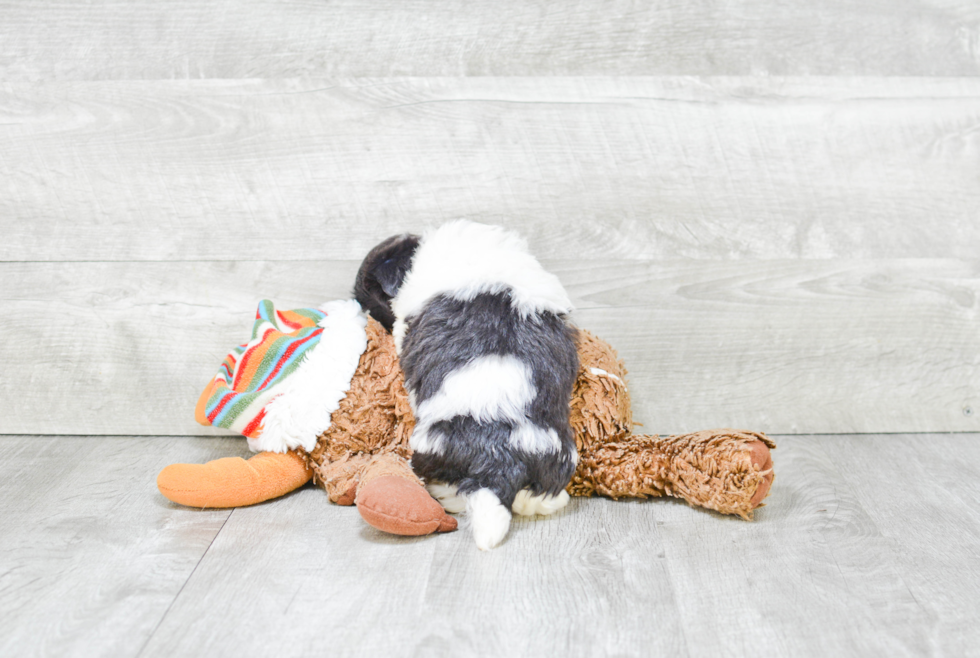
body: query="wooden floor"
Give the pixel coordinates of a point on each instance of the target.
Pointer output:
(869, 546)
(771, 208)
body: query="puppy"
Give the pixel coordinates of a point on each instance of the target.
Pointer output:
(489, 363)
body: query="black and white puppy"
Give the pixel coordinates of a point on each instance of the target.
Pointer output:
(489, 364)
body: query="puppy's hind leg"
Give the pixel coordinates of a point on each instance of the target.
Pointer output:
(489, 518)
(527, 504)
(446, 494)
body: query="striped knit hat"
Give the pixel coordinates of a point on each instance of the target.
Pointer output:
(280, 388)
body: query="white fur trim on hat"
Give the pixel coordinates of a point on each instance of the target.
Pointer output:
(305, 401)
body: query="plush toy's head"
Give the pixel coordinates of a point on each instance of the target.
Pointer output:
(381, 275)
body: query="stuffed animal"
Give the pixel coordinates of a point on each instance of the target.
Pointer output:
(320, 395)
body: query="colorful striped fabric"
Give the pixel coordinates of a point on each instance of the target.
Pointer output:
(249, 376)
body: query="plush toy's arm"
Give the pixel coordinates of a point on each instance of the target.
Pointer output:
(233, 481)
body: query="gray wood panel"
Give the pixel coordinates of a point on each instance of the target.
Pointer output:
(590, 581)
(864, 548)
(820, 574)
(793, 346)
(632, 168)
(119, 39)
(922, 494)
(91, 556)
(779, 346)
(134, 344)
(867, 546)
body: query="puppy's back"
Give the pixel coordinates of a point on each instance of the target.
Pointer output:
(489, 363)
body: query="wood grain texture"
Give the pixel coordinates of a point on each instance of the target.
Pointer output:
(867, 546)
(927, 510)
(860, 551)
(91, 556)
(122, 39)
(779, 346)
(134, 344)
(590, 581)
(593, 168)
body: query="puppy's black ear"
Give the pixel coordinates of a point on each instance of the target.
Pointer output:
(381, 275)
(390, 274)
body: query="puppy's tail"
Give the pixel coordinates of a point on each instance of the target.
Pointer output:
(489, 518)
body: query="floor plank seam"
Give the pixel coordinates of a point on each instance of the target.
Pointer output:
(183, 585)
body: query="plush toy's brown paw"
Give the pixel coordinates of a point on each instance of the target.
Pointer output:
(761, 459)
(402, 507)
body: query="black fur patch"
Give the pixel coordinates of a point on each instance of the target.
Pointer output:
(477, 455)
(381, 275)
(448, 334)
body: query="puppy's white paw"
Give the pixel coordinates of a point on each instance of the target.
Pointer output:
(527, 505)
(489, 519)
(447, 497)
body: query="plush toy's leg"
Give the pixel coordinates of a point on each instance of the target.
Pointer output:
(340, 478)
(729, 471)
(391, 498)
(232, 481)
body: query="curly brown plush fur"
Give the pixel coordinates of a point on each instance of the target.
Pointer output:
(363, 458)
(711, 468)
(372, 424)
(723, 470)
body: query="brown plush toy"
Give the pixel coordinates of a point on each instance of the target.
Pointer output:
(363, 458)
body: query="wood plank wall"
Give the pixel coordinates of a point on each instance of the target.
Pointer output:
(771, 208)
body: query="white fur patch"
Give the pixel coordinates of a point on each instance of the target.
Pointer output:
(489, 519)
(527, 505)
(464, 259)
(423, 441)
(304, 402)
(447, 496)
(533, 439)
(488, 388)
(526, 437)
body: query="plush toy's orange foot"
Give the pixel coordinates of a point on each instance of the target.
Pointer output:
(232, 481)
